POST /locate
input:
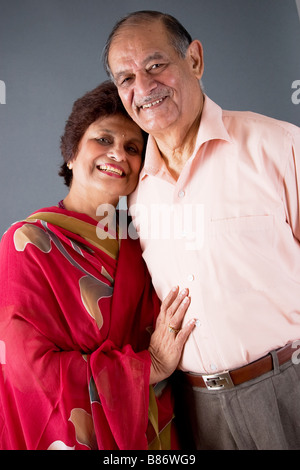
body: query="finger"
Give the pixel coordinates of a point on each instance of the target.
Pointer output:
(176, 319)
(167, 302)
(185, 332)
(173, 307)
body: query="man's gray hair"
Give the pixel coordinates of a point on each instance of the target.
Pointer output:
(178, 35)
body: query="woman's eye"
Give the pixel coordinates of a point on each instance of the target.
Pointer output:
(103, 140)
(132, 149)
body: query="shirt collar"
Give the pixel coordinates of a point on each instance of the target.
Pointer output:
(211, 128)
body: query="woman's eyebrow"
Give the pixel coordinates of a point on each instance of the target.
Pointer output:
(102, 129)
(114, 133)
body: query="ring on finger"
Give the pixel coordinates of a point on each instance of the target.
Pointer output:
(172, 329)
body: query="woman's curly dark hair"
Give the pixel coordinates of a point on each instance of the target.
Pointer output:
(103, 101)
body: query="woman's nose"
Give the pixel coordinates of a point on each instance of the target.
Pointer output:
(117, 153)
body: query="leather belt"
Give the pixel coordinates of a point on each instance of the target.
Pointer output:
(228, 379)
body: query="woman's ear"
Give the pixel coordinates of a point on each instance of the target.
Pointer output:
(195, 55)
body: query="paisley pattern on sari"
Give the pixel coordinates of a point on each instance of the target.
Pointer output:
(76, 313)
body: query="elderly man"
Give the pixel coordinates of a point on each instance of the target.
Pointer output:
(227, 184)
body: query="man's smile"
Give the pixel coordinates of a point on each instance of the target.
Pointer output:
(149, 105)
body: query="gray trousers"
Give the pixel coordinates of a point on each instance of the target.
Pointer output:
(262, 414)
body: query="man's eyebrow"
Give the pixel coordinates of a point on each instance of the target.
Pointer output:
(119, 75)
(154, 56)
(149, 58)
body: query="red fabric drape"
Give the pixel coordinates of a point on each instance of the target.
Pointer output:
(75, 323)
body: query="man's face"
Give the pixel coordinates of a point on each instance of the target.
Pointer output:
(159, 89)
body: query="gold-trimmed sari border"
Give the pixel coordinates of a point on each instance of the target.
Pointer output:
(84, 229)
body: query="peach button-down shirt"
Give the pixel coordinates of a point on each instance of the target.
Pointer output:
(229, 230)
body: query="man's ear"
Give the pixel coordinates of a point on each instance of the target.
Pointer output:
(195, 55)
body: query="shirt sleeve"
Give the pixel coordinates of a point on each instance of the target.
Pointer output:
(291, 183)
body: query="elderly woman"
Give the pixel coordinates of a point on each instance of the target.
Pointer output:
(80, 367)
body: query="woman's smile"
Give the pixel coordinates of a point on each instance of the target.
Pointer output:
(111, 170)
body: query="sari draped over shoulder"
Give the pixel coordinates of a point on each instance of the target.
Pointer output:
(76, 315)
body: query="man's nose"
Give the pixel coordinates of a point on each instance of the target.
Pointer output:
(144, 84)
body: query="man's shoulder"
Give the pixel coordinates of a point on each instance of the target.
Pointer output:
(259, 122)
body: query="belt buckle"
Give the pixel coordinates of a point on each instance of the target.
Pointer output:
(218, 381)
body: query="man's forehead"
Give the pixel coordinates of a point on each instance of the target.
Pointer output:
(136, 50)
(142, 58)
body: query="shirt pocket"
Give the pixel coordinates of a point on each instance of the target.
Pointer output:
(244, 224)
(242, 249)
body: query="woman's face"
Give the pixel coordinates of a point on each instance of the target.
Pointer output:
(108, 159)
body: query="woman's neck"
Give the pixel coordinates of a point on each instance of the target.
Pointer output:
(96, 208)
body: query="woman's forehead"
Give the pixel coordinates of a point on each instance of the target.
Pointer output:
(117, 124)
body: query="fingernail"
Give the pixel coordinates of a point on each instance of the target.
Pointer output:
(183, 292)
(174, 289)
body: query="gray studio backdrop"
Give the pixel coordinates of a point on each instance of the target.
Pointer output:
(50, 54)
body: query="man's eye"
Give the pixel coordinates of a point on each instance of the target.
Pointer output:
(157, 67)
(125, 81)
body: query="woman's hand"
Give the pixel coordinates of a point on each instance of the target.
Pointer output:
(168, 339)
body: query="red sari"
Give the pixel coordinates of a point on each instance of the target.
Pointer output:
(76, 313)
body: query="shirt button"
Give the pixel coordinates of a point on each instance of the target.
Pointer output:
(191, 277)
(213, 367)
(181, 193)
